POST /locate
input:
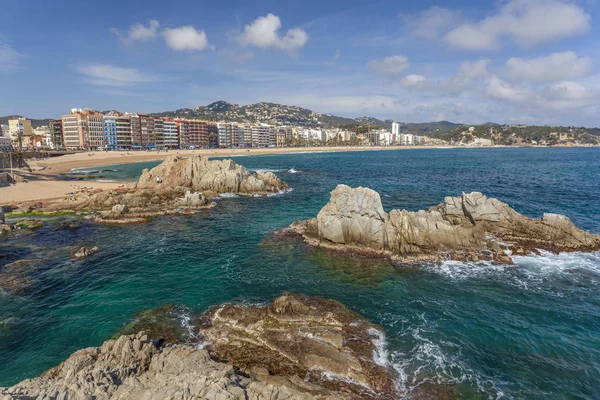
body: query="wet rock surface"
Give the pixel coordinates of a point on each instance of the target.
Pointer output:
(467, 228)
(298, 347)
(86, 251)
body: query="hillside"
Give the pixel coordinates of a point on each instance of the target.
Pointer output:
(271, 113)
(522, 135)
(34, 122)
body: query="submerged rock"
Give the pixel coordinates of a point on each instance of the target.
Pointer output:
(17, 277)
(462, 228)
(159, 323)
(29, 224)
(297, 348)
(86, 251)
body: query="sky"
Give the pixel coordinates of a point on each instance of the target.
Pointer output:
(510, 61)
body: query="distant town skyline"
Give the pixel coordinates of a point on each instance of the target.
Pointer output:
(515, 61)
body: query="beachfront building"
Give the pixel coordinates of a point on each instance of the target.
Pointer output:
(3, 130)
(95, 130)
(224, 134)
(213, 135)
(245, 130)
(136, 131)
(159, 133)
(74, 129)
(193, 132)
(123, 130)
(407, 139)
(110, 132)
(147, 135)
(170, 138)
(395, 129)
(56, 133)
(19, 127)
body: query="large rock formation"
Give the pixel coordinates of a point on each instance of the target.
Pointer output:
(467, 227)
(297, 348)
(177, 185)
(202, 174)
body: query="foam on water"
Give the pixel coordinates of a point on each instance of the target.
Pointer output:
(380, 354)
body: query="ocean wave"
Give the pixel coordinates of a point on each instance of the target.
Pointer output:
(437, 363)
(380, 353)
(293, 170)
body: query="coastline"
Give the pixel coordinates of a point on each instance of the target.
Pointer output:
(43, 185)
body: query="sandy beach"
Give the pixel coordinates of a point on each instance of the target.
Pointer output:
(42, 185)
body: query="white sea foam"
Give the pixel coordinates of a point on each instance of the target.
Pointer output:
(380, 354)
(293, 170)
(443, 359)
(228, 195)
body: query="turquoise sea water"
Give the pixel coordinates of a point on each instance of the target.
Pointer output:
(531, 330)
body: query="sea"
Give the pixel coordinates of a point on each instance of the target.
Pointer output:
(524, 331)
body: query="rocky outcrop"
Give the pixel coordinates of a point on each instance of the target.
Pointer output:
(176, 186)
(311, 344)
(85, 252)
(467, 227)
(202, 174)
(297, 348)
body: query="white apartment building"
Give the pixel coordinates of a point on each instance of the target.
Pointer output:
(170, 138)
(95, 131)
(407, 139)
(395, 128)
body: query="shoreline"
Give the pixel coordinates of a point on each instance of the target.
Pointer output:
(43, 185)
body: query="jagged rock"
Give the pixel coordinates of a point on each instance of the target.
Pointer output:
(120, 209)
(313, 344)
(86, 252)
(173, 185)
(461, 228)
(17, 277)
(298, 348)
(202, 174)
(354, 217)
(194, 200)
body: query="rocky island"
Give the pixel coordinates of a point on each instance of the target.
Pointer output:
(298, 347)
(469, 227)
(177, 185)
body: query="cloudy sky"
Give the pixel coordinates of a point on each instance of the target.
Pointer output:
(530, 61)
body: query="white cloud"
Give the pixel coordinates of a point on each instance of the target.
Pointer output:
(526, 22)
(138, 32)
(468, 75)
(186, 38)
(10, 59)
(109, 75)
(554, 67)
(263, 32)
(414, 81)
(501, 90)
(433, 22)
(141, 32)
(558, 97)
(391, 66)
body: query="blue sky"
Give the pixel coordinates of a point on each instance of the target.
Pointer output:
(514, 61)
